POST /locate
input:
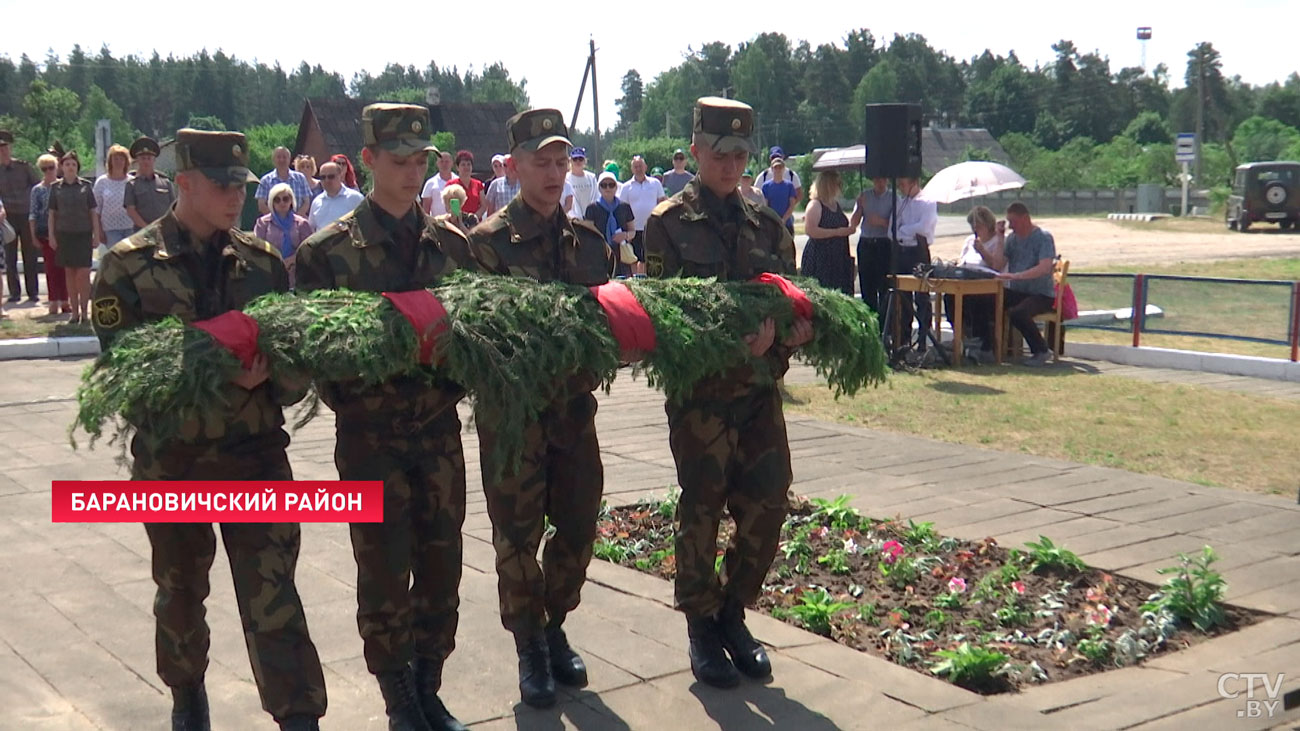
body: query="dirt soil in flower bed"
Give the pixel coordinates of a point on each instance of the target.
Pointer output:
(1051, 623)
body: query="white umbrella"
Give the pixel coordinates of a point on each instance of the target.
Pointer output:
(969, 179)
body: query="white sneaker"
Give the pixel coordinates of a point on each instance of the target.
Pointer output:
(1039, 359)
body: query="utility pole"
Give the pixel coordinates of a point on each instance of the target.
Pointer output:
(1200, 108)
(595, 100)
(589, 72)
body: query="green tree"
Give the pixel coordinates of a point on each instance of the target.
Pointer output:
(879, 86)
(629, 105)
(496, 86)
(1005, 101)
(657, 151)
(210, 123)
(98, 106)
(1281, 101)
(52, 114)
(1148, 128)
(1258, 138)
(926, 77)
(262, 141)
(1205, 64)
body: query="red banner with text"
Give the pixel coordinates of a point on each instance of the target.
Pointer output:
(265, 501)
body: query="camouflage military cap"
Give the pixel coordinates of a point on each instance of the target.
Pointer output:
(402, 129)
(535, 129)
(221, 156)
(145, 145)
(6, 137)
(725, 125)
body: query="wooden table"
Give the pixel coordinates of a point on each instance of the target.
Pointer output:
(958, 288)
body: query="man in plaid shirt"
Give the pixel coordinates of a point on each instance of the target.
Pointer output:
(282, 174)
(502, 190)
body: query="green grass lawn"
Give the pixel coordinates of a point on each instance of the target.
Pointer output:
(1245, 309)
(1193, 433)
(40, 327)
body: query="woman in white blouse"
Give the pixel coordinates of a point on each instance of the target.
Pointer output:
(110, 195)
(982, 248)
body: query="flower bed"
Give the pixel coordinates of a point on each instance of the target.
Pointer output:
(985, 617)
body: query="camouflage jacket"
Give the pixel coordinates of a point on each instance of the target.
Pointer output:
(518, 242)
(163, 270)
(367, 250)
(688, 236)
(515, 241)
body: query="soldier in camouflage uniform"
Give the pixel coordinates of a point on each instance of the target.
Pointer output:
(728, 436)
(561, 476)
(193, 264)
(404, 431)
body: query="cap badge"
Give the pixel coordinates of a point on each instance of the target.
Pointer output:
(547, 124)
(236, 150)
(416, 126)
(735, 123)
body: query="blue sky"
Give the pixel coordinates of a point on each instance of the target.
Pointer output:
(549, 48)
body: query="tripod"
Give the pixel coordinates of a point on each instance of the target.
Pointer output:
(898, 351)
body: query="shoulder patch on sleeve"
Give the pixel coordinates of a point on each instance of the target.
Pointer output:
(106, 312)
(581, 224)
(665, 206)
(254, 243)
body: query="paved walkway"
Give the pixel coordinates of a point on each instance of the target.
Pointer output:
(76, 648)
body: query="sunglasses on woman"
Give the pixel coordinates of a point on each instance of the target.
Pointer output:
(283, 199)
(608, 185)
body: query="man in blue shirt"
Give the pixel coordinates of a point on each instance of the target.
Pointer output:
(1028, 257)
(780, 194)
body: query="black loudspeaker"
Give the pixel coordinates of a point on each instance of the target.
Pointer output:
(893, 140)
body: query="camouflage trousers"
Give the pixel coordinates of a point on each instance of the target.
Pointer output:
(263, 557)
(730, 453)
(423, 469)
(561, 479)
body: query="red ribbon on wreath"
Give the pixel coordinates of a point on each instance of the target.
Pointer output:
(628, 320)
(426, 314)
(235, 331)
(803, 307)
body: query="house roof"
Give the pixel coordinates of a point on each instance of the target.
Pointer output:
(478, 127)
(940, 148)
(943, 147)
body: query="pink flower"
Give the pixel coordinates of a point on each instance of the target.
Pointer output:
(820, 531)
(1095, 594)
(1100, 616)
(957, 585)
(891, 550)
(1018, 587)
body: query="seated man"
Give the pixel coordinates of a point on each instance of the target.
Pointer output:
(1026, 259)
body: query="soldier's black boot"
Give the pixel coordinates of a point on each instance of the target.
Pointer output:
(401, 702)
(709, 660)
(746, 652)
(190, 709)
(428, 679)
(300, 723)
(566, 665)
(536, 685)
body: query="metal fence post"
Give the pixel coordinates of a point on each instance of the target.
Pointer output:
(1139, 307)
(1295, 321)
